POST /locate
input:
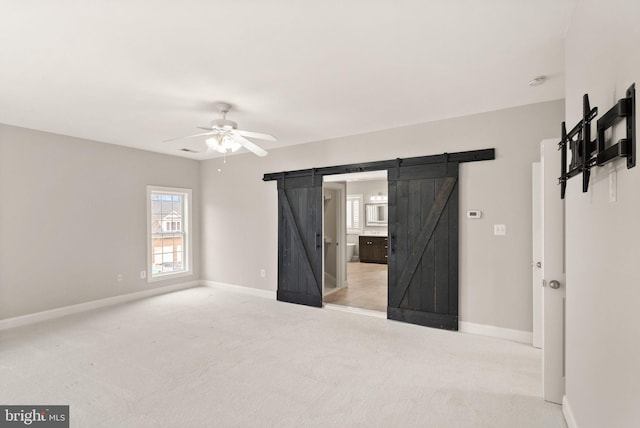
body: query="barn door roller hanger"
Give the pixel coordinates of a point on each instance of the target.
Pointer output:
(587, 153)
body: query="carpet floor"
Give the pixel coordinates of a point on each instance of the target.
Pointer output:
(207, 357)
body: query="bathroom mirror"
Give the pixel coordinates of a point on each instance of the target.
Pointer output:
(377, 214)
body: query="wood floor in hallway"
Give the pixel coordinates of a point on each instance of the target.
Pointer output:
(367, 287)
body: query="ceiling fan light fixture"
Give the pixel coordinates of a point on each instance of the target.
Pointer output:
(223, 135)
(215, 143)
(230, 144)
(222, 143)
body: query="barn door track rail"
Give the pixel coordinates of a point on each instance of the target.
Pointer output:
(318, 173)
(587, 153)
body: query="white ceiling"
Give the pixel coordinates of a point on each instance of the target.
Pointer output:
(138, 72)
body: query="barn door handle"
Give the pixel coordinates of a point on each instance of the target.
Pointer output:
(392, 243)
(318, 242)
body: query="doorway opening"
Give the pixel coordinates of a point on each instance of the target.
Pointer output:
(355, 229)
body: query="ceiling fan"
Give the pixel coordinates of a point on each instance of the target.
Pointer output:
(224, 135)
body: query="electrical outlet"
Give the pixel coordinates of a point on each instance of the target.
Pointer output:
(263, 273)
(120, 277)
(143, 274)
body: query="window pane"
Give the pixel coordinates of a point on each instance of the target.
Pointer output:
(168, 253)
(354, 204)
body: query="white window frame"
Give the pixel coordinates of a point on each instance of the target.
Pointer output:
(187, 249)
(360, 199)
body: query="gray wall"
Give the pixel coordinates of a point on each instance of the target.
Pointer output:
(73, 216)
(239, 228)
(603, 238)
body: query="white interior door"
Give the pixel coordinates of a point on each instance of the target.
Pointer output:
(536, 263)
(553, 274)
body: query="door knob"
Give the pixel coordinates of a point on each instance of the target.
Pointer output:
(554, 284)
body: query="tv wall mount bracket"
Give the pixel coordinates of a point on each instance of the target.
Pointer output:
(587, 153)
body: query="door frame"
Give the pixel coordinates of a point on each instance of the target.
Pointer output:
(536, 251)
(553, 269)
(341, 226)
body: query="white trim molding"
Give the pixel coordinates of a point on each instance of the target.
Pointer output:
(268, 294)
(464, 327)
(568, 413)
(330, 279)
(93, 304)
(499, 332)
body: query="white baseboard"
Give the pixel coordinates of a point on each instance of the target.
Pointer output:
(499, 332)
(568, 413)
(330, 279)
(240, 289)
(93, 304)
(464, 327)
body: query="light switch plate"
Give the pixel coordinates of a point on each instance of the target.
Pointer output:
(499, 229)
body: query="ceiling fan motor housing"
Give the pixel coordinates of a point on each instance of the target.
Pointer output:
(224, 124)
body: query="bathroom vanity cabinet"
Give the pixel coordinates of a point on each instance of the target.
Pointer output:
(373, 249)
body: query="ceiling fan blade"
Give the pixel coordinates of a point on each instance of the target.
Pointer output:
(257, 135)
(250, 146)
(191, 136)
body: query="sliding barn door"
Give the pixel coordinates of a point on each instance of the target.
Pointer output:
(300, 240)
(423, 253)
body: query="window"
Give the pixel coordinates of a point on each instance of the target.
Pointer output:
(354, 214)
(169, 246)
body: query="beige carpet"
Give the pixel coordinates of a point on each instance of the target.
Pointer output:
(214, 358)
